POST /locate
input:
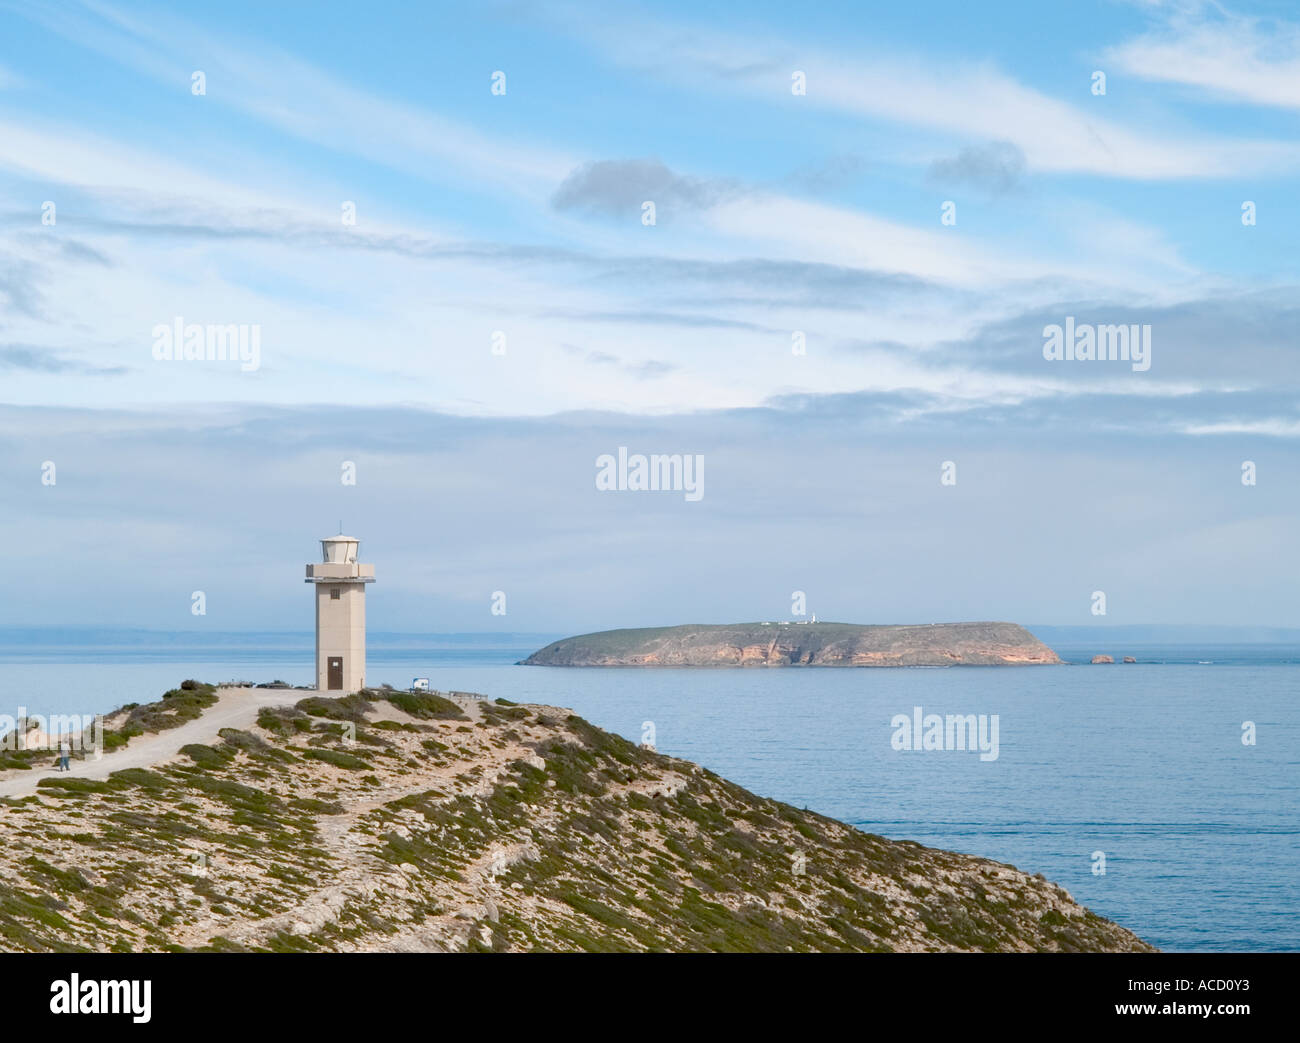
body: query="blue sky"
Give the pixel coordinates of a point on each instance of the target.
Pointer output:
(776, 212)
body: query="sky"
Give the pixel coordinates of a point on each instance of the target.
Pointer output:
(474, 249)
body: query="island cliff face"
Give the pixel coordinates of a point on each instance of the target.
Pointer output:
(802, 644)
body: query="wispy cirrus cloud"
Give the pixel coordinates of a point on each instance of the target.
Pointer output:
(1226, 54)
(694, 315)
(973, 101)
(285, 91)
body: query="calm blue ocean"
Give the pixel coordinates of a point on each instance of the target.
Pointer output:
(1145, 762)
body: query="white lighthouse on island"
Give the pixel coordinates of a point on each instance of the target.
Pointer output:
(340, 615)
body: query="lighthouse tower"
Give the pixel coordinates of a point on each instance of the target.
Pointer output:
(340, 615)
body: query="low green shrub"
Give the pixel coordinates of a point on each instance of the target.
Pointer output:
(425, 705)
(338, 759)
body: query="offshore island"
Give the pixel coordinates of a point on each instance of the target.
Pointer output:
(802, 644)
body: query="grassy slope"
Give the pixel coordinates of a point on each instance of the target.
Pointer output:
(496, 827)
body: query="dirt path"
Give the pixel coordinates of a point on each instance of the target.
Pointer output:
(234, 708)
(359, 874)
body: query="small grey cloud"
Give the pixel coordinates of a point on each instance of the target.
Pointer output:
(650, 369)
(618, 187)
(656, 318)
(828, 175)
(21, 274)
(31, 359)
(18, 290)
(75, 250)
(995, 168)
(52, 245)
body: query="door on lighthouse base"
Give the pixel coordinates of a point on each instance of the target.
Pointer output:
(336, 674)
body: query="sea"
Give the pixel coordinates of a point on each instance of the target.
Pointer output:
(1162, 794)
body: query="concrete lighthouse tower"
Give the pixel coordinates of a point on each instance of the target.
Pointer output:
(340, 615)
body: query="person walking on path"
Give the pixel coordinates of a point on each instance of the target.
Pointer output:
(65, 753)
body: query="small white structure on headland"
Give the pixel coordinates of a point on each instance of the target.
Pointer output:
(340, 615)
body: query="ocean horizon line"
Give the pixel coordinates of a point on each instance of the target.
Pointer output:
(1050, 634)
